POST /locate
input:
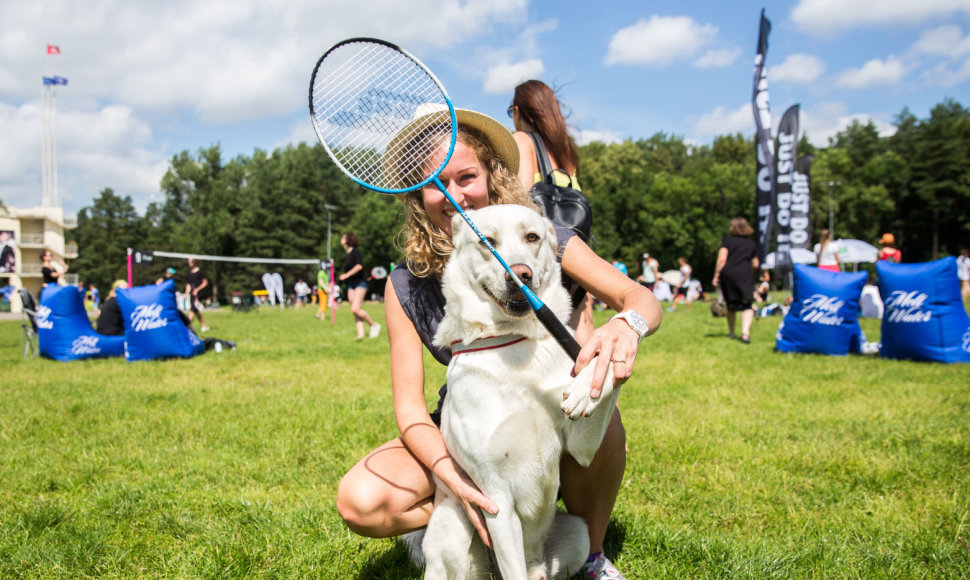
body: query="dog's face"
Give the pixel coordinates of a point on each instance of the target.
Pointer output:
(477, 289)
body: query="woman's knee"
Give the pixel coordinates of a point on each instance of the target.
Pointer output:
(362, 507)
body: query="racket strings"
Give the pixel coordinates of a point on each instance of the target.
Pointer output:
(364, 100)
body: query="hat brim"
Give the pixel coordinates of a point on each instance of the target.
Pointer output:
(498, 137)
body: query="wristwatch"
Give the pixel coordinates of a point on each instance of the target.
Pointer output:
(635, 321)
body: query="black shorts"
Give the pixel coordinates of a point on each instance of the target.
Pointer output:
(682, 291)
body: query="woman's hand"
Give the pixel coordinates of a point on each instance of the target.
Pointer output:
(614, 342)
(470, 496)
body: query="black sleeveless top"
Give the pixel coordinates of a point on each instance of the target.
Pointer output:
(424, 303)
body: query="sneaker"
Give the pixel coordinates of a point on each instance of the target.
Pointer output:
(375, 329)
(671, 309)
(204, 328)
(600, 569)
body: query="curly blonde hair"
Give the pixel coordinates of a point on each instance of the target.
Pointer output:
(426, 246)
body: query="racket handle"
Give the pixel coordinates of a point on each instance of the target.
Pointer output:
(558, 330)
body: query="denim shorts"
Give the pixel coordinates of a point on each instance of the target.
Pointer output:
(356, 285)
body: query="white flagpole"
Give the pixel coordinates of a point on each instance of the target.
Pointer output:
(55, 195)
(45, 136)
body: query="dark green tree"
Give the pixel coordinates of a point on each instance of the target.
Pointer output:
(105, 231)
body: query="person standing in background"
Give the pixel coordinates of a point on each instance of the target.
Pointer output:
(888, 251)
(196, 289)
(356, 280)
(51, 269)
(827, 252)
(302, 290)
(323, 289)
(684, 287)
(737, 261)
(649, 270)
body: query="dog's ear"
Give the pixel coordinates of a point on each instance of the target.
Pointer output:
(551, 239)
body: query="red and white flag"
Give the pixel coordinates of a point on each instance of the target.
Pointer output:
(51, 49)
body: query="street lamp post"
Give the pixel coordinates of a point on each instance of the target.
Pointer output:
(832, 185)
(329, 209)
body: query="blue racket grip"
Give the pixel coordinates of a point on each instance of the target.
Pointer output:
(558, 331)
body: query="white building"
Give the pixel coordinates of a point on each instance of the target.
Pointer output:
(29, 232)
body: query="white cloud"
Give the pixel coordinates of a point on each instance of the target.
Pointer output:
(503, 78)
(227, 60)
(660, 41)
(175, 63)
(945, 76)
(798, 68)
(107, 147)
(824, 121)
(587, 136)
(874, 73)
(723, 121)
(947, 41)
(718, 58)
(830, 17)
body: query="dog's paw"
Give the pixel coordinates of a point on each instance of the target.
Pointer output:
(576, 400)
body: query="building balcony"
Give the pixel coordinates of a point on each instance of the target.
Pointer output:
(31, 240)
(70, 221)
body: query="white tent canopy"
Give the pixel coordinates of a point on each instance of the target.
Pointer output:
(798, 256)
(855, 251)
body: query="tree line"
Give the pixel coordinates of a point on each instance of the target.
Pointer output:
(662, 195)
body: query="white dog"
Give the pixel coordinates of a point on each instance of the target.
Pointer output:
(511, 409)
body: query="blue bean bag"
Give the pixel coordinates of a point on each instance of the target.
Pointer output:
(64, 331)
(153, 328)
(824, 314)
(924, 317)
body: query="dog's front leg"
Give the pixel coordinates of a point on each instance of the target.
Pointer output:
(505, 528)
(589, 417)
(452, 549)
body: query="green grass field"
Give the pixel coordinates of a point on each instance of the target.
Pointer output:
(743, 462)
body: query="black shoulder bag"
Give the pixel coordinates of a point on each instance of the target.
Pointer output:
(563, 205)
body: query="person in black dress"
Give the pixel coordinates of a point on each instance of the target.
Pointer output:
(737, 261)
(355, 278)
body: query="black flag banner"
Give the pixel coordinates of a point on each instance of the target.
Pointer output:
(801, 203)
(765, 180)
(786, 152)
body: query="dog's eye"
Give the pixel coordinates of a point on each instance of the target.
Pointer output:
(532, 237)
(491, 241)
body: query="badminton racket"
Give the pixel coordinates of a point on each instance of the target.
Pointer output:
(365, 94)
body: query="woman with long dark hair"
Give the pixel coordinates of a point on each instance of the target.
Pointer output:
(536, 109)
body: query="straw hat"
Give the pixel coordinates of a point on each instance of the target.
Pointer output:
(429, 114)
(887, 239)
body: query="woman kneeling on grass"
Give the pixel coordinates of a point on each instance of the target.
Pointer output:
(391, 490)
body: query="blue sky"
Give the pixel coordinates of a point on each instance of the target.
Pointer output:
(148, 80)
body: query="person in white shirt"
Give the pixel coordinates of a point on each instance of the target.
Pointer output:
(302, 290)
(828, 253)
(682, 290)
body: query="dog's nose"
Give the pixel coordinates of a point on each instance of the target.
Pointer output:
(522, 271)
